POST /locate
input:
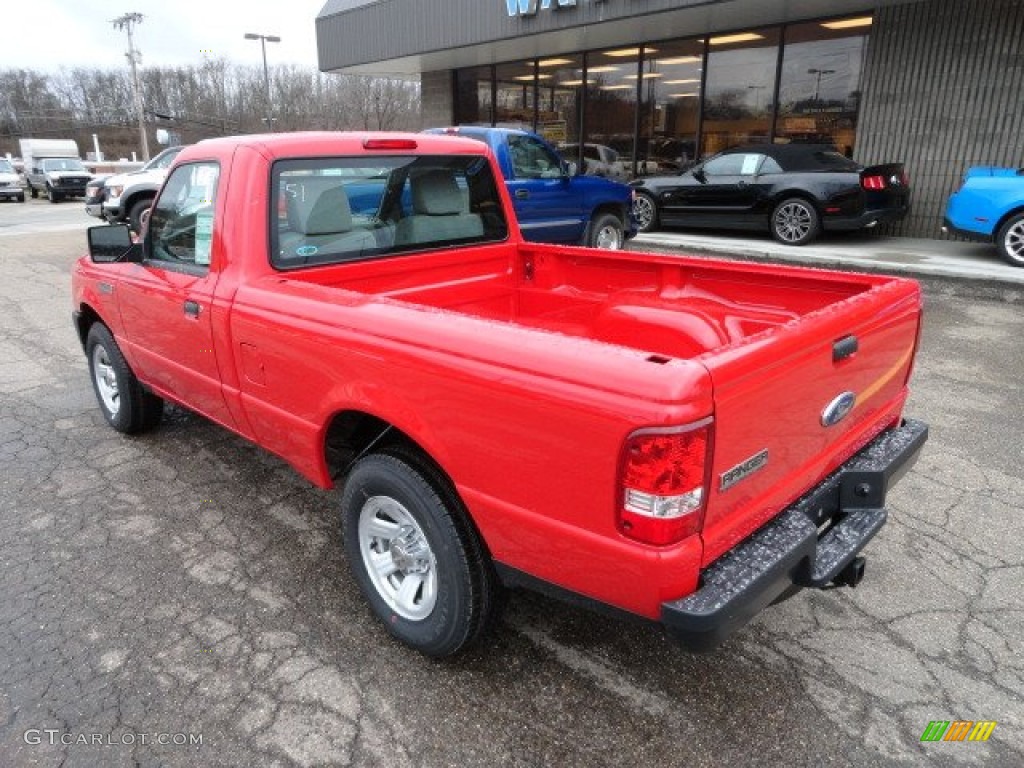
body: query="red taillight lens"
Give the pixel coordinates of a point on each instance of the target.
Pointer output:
(873, 182)
(662, 484)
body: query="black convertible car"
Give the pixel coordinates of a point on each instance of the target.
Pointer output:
(792, 190)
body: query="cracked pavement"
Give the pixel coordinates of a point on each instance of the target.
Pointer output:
(186, 582)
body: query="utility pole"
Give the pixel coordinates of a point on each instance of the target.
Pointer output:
(126, 23)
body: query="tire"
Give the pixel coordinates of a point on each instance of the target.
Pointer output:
(605, 232)
(433, 587)
(51, 195)
(1010, 240)
(795, 221)
(135, 214)
(21, 198)
(33, 191)
(126, 406)
(645, 211)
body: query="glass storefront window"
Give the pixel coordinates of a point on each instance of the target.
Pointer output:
(740, 89)
(515, 95)
(611, 102)
(670, 106)
(473, 98)
(819, 93)
(560, 99)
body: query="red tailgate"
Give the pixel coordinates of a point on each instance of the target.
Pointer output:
(780, 400)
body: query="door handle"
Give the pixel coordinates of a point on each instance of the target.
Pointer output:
(522, 194)
(192, 308)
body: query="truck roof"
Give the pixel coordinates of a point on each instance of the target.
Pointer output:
(318, 143)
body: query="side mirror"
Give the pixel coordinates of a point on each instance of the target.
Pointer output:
(569, 168)
(699, 175)
(108, 244)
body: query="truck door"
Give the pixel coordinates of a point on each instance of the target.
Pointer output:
(166, 302)
(548, 205)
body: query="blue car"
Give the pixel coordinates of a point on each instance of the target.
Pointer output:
(989, 206)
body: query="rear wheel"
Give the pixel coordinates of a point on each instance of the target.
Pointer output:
(795, 221)
(126, 406)
(645, 211)
(606, 232)
(1011, 240)
(415, 557)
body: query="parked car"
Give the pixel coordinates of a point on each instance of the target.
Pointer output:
(128, 195)
(598, 160)
(792, 190)
(989, 206)
(53, 168)
(10, 182)
(553, 203)
(95, 194)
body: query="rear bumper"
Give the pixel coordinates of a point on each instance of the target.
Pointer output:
(867, 219)
(788, 551)
(951, 229)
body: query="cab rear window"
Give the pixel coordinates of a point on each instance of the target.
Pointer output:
(331, 210)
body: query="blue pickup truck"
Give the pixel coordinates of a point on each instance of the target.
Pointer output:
(552, 202)
(989, 206)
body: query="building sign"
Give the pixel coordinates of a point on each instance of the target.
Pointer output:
(530, 7)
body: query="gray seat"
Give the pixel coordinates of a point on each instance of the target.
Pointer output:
(440, 211)
(320, 221)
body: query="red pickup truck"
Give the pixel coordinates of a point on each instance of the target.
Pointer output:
(680, 439)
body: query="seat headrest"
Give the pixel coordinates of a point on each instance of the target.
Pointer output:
(435, 193)
(318, 206)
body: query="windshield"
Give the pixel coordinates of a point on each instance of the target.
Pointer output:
(63, 164)
(163, 160)
(6, 167)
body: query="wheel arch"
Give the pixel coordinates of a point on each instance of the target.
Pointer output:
(1018, 209)
(85, 318)
(351, 434)
(142, 194)
(788, 194)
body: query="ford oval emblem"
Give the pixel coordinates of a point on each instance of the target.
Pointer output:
(838, 409)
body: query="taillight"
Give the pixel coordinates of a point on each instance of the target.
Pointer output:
(873, 182)
(662, 483)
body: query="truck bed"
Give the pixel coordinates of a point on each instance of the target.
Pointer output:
(661, 305)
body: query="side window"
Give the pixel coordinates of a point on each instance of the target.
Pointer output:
(531, 159)
(724, 165)
(181, 223)
(770, 165)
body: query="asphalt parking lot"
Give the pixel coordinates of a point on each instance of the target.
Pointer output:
(186, 586)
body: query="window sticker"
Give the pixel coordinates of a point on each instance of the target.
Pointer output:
(204, 237)
(749, 165)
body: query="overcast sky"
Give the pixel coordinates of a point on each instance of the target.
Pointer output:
(48, 34)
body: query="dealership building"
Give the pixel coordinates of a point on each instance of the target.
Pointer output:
(935, 84)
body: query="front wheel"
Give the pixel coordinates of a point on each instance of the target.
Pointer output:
(21, 198)
(605, 232)
(126, 406)
(52, 195)
(1011, 240)
(135, 215)
(795, 221)
(414, 556)
(645, 211)
(33, 191)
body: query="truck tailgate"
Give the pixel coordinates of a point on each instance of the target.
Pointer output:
(794, 403)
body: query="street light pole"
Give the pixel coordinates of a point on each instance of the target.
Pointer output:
(125, 22)
(264, 39)
(819, 73)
